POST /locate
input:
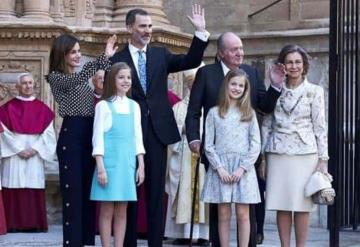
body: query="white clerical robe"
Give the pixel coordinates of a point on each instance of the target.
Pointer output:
(179, 183)
(26, 173)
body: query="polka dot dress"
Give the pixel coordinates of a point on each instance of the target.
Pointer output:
(72, 91)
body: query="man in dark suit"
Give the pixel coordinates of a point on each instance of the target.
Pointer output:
(204, 95)
(150, 68)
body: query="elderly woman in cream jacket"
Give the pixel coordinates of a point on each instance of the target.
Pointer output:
(294, 140)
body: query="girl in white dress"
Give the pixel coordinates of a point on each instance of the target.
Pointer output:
(232, 145)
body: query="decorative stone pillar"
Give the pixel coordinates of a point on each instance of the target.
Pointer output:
(295, 11)
(55, 11)
(153, 7)
(103, 13)
(7, 9)
(37, 10)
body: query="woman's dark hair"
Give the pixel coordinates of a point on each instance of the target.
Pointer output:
(110, 86)
(61, 46)
(291, 49)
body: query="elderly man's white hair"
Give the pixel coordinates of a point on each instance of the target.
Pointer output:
(22, 75)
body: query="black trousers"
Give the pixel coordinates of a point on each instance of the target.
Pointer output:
(76, 168)
(155, 169)
(260, 207)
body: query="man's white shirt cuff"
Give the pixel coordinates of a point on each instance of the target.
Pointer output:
(204, 36)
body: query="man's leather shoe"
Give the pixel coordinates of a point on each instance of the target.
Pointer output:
(203, 242)
(180, 241)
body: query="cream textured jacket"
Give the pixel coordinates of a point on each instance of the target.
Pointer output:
(297, 125)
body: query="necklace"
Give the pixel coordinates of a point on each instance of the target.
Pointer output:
(288, 112)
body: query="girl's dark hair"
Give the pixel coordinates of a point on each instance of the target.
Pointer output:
(291, 49)
(61, 46)
(243, 103)
(110, 86)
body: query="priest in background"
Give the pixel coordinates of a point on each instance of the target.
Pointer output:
(98, 83)
(27, 144)
(180, 181)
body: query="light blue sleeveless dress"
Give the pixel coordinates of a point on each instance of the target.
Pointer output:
(119, 159)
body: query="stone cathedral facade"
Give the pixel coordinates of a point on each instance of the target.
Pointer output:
(28, 27)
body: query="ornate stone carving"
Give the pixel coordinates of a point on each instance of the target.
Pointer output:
(26, 34)
(55, 11)
(153, 7)
(69, 8)
(37, 10)
(103, 13)
(170, 40)
(90, 5)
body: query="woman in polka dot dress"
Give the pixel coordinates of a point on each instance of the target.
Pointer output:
(72, 92)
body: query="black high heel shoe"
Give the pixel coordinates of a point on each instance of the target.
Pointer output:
(259, 238)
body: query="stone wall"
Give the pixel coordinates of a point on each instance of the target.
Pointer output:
(233, 15)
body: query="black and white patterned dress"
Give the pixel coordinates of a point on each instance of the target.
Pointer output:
(72, 91)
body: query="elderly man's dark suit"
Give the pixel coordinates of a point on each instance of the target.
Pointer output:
(158, 126)
(204, 95)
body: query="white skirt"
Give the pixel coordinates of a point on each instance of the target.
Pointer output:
(286, 178)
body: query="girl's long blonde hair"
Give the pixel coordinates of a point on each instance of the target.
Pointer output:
(243, 103)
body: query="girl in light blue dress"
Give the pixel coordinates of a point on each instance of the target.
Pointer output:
(117, 143)
(232, 145)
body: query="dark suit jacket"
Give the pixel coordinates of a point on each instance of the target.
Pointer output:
(155, 106)
(205, 90)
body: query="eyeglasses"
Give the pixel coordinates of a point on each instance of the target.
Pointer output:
(296, 62)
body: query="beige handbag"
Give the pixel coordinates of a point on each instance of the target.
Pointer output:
(320, 189)
(324, 197)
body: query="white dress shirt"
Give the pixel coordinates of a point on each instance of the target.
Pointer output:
(135, 56)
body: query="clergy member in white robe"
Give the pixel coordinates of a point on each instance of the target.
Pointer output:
(180, 181)
(27, 144)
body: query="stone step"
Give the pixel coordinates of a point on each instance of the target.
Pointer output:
(318, 237)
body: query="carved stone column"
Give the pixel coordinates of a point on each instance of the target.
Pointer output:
(7, 9)
(37, 10)
(154, 7)
(55, 11)
(103, 13)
